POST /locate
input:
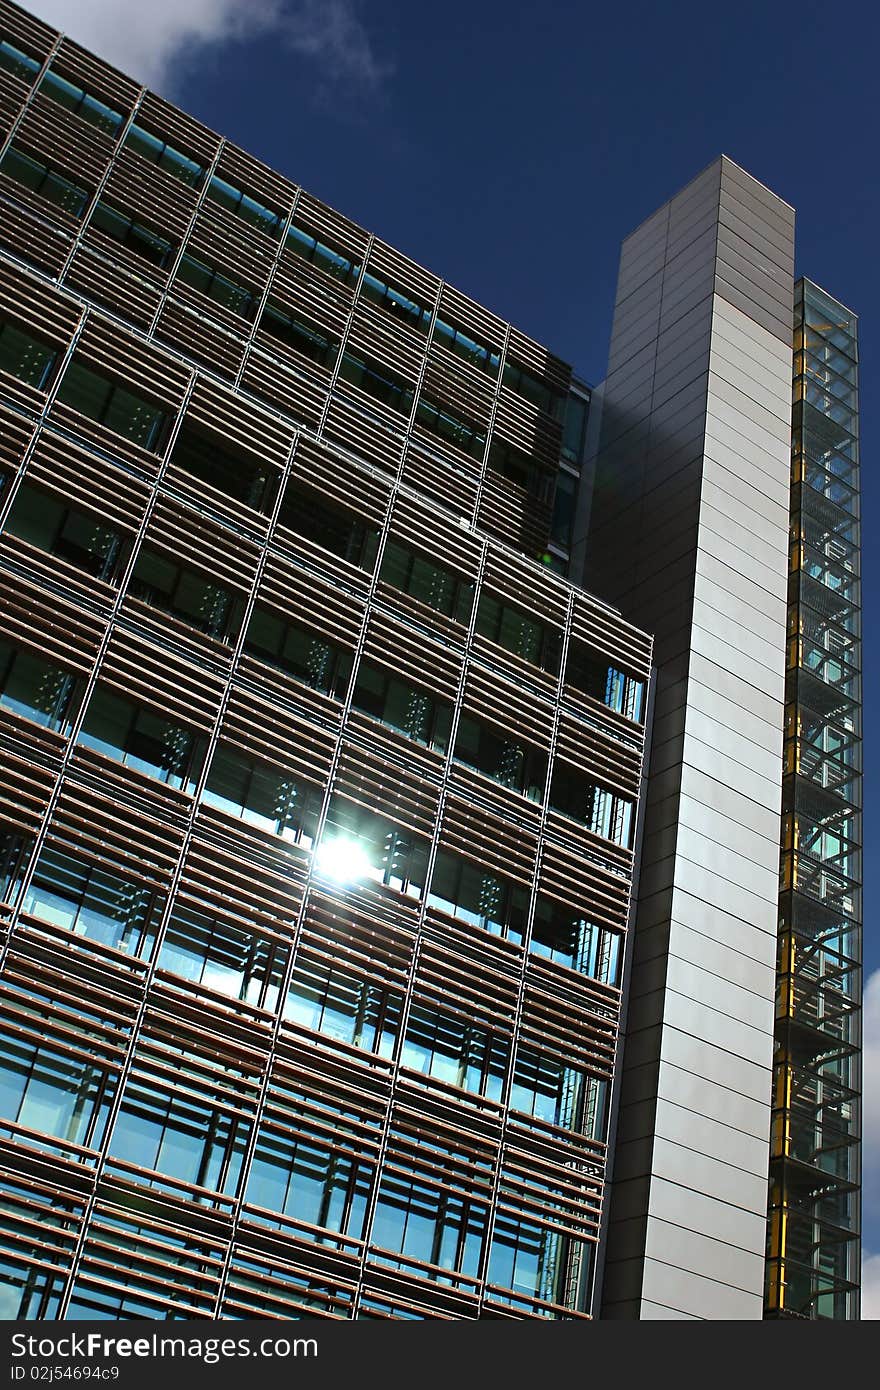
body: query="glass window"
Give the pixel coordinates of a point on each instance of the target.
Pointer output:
(528, 1258)
(431, 1224)
(377, 381)
(453, 1049)
(563, 934)
(245, 207)
(141, 740)
(96, 112)
(15, 851)
(464, 346)
(320, 519)
(92, 901)
(410, 710)
(185, 595)
(135, 235)
(540, 393)
(299, 333)
(19, 64)
(44, 1089)
(238, 299)
(522, 469)
(602, 811)
(574, 428)
(42, 180)
(427, 581)
(563, 509)
(594, 675)
(32, 687)
(397, 856)
(311, 659)
(512, 763)
(548, 1088)
(302, 1177)
(166, 156)
(395, 302)
(344, 1006)
(113, 405)
(26, 1290)
(240, 476)
(180, 1136)
(303, 244)
(24, 356)
(222, 957)
(486, 900)
(63, 531)
(262, 796)
(464, 434)
(518, 633)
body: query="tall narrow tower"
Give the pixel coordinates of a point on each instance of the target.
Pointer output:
(689, 535)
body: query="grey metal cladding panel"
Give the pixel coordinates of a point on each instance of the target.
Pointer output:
(711, 1176)
(634, 1122)
(748, 377)
(737, 339)
(750, 420)
(713, 1026)
(774, 320)
(703, 187)
(690, 361)
(656, 1312)
(678, 300)
(695, 257)
(686, 234)
(744, 185)
(640, 307)
(718, 1102)
(651, 232)
(693, 1211)
(747, 463)
(628, 344)
(703, 1298)
(756, 242)
(694, 913)
(749, 982)
(733, 272)
(712, 1066)
(686, 297)
(761, 224)
(741, 587)
(702, 1255)
(622, 1283)
(765, 293)
(775, 243)
(744, 694)
(727, 829)
(704, 789)
(712, 990)
(741, 255)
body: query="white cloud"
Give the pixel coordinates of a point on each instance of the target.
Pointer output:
(871, 1286)
(152, 41)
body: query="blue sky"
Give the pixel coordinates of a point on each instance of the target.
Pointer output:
(510, 146)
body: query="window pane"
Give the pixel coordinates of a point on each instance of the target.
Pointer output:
(24, 356)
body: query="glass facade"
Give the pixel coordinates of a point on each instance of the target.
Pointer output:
(309, 962)
(813, 1234)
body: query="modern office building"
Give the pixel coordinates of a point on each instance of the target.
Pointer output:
(323, 788)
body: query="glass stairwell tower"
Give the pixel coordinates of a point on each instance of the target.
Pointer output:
(813, 1231)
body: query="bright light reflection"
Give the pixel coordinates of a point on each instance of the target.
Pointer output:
(345, 861)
